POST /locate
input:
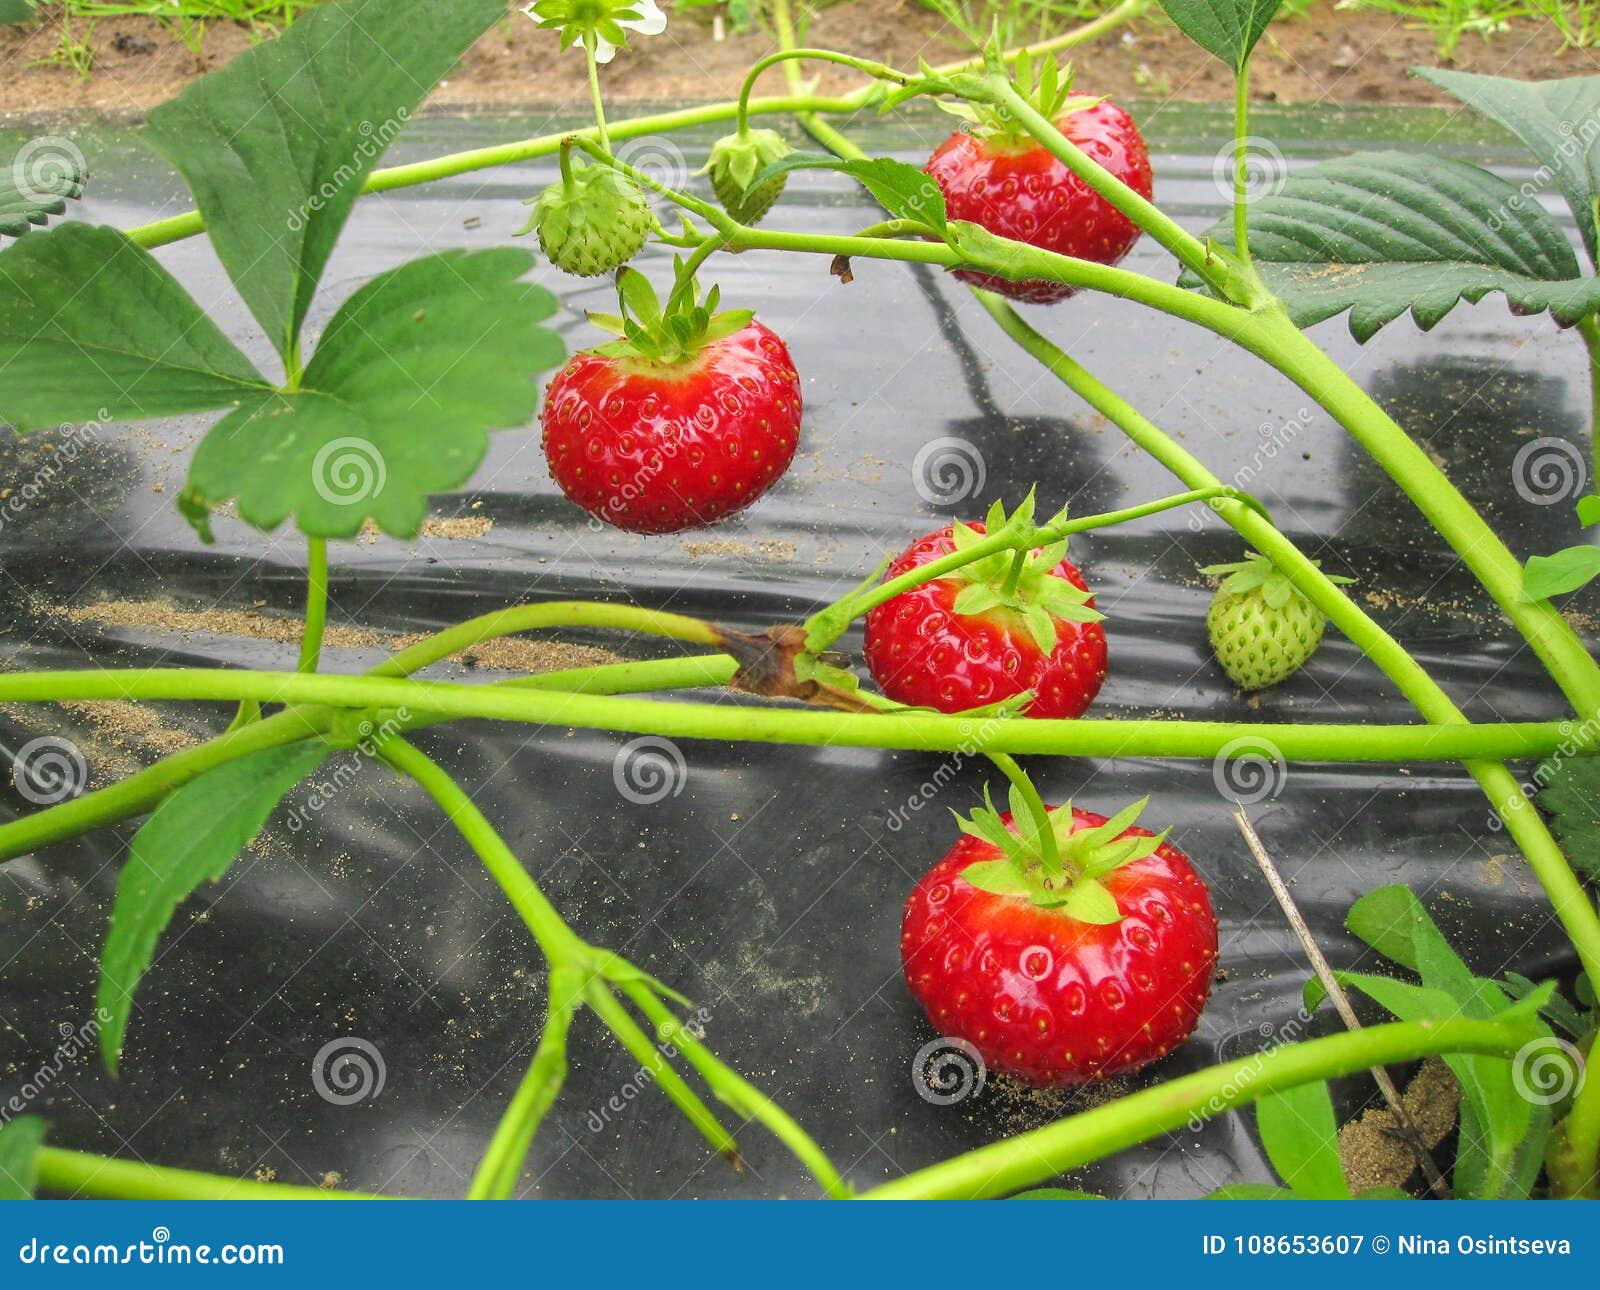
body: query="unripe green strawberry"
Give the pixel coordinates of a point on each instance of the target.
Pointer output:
(736, 159)
(1263, 629)
(591, 224)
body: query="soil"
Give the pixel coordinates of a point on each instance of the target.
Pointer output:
(1329, 56)
(1371, 1149)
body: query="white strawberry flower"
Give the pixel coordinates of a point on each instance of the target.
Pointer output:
(605, 22)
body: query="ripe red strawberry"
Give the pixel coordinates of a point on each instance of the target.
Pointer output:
(1010, 184)
(687, 419)
(976, 636)
(1092, 968)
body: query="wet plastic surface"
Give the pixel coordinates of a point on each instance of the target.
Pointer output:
(769, 887)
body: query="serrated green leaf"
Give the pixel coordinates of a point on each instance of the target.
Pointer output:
(276, 145)
(19, 1157)
(15, 11)
(1379, 234)
(1227, 28)
(94, 328)
(1301, 1135)
(1588, 509)
(1089, 902)
(1571, 798)
(1555, 575)
(410, 375)
(904, 191)
(192, 836)
(42, 176)
(1553, 118)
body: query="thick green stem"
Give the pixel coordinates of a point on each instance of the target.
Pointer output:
(501, 1166)
(1241, 163)
(1184, 245)
(316, 604)
(1032, 1158)
(1589, 329)
(1050, 851)
(558, 941)
(1155, 737)
(76, 1173)
(878, 71)
(1561, 885)
(1580, 1134)
(594, 93)
(1276, 339)
(141, 791)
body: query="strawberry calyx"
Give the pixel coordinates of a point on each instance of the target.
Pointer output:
(1065, 878)
(1022, 583)
(1256, 573)
(670, 334)
(1047, 87)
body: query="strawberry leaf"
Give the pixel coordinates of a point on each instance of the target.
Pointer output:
(410, 374)
(1055, 1193)
(192, 836)
(1555, 575)
(276, 145)
(904, 191)
(1251, 1191)
(37, 185)
(1301, 1136)
(19, 1157)
(1551, 118)
(1227, 28)
(94, 328)
(1589, 510)
(1377, 235)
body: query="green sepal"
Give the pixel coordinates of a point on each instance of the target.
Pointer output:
(736, 159)
(1089, 902)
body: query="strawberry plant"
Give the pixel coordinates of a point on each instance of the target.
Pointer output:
(1061, 946)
